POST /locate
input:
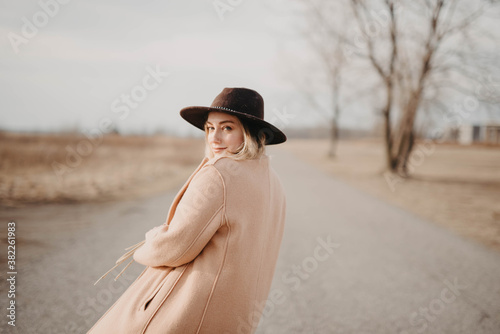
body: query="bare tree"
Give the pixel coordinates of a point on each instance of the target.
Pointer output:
(422, 52)
(384, 67)
(441, 44)
(326, 41)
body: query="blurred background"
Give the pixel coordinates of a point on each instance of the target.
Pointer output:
(399, 99)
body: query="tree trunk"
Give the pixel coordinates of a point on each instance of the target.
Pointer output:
(334, 132)
(406, 157)
(386, 112)
(406, 135)
(332, 152)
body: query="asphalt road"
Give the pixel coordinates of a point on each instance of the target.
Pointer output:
(349, 263)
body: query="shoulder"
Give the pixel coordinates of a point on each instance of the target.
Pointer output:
(224, 166)
(219, 161)
(230, 168)
(207, 175)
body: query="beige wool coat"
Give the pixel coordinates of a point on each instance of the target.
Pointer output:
(210, 265)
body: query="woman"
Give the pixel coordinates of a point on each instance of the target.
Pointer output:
(210, 265)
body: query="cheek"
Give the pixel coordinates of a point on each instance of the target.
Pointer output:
(231, 140)
(238, 138)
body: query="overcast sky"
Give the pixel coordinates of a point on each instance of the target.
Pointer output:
(77, 67)
(138, 63)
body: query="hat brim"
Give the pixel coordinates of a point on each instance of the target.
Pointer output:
(196, 116)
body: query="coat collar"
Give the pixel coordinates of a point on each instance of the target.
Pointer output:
(181, 192)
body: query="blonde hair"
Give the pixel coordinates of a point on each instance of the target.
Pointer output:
(252, 147)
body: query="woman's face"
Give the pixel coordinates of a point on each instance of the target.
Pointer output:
(224, 132)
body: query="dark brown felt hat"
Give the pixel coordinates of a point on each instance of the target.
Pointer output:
(244, 103)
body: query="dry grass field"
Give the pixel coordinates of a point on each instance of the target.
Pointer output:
(47, 168)
(452, 185)
(455, 186)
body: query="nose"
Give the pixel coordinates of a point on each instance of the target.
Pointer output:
(216, 136)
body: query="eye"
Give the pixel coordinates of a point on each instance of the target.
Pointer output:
(227, 127)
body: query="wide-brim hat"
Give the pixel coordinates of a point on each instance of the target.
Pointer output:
(244, 103)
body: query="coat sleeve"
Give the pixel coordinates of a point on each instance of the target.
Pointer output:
(198, 215)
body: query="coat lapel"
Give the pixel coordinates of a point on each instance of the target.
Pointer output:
(181, 192)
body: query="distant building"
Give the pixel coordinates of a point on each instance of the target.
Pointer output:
(468, 133)
(493, 134)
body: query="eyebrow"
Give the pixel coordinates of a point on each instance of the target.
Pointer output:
(222, 122)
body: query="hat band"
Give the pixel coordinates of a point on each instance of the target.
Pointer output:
(249, 116)
(225, 109)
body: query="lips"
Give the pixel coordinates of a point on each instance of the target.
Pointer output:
(218, 148)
